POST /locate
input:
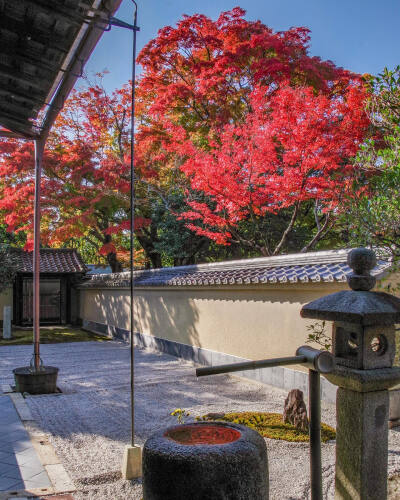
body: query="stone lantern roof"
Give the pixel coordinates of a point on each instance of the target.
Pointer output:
(365, 308)
(358, 305)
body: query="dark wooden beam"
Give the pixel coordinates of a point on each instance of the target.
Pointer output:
(28, 135)
(28, 80)
(14, 124)
(5, 112)
(39, 63)
(27, 33)
(29, 95)
(69, 14)
(17, 108)
(13, 135)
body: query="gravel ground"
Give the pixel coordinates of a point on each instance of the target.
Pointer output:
(89, 423)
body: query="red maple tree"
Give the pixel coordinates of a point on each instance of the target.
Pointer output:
(85, 184)
(263, 131)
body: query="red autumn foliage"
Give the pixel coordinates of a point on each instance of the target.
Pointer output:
(293, 148)
(258, 126)
(239, 116)
(85, 185)
(203, 70)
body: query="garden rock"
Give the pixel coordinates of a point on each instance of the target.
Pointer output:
(295, 411)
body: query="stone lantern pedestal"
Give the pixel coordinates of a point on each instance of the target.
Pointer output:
(362, 404)
(363, 344)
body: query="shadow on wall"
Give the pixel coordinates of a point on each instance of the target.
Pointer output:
(291, 294)
(170, 315)
(154, 314)
(195, 315)
(248, 323)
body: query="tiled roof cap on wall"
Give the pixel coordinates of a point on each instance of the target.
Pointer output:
(324, 266)
(52, 260)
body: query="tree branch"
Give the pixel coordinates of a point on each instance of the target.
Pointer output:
(318, 236)
(288, 229)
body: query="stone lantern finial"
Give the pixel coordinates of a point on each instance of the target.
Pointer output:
(362, 261)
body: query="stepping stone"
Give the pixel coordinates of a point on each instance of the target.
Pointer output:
(20, 467)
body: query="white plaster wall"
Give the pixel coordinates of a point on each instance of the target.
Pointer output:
(248, 322)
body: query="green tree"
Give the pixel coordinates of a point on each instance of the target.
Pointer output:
(7, 266)
(373, 218)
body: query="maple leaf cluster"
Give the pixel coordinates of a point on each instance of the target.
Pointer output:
(293, 148)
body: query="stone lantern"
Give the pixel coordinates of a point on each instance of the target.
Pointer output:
(363, 344)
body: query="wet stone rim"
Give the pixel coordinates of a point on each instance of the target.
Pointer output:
(210, 434)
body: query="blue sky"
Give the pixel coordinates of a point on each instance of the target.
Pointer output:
(360, 35)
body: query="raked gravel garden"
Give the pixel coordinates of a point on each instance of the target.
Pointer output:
(89, 422)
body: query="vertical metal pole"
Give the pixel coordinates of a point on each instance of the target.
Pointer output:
(314, 405)
(39, 148)
(132, 229)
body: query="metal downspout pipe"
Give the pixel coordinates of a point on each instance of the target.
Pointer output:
(39, 150)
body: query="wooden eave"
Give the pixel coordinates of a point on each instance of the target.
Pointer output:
(44, 45)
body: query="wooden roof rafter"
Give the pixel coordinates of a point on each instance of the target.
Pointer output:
(39, 35)
(29, 95)
(16, 108)
(78, 19)
(44, 45)
(21, 59)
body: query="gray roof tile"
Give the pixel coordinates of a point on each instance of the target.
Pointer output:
(326, 266)
(52, 260)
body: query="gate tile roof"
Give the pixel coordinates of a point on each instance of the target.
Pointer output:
(52, 260)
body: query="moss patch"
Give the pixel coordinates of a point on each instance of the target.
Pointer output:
(52, 336)
(271, 425)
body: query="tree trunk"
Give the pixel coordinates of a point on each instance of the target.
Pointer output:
(115, 264)
(184, 261)
(112, 259)
(151, 253)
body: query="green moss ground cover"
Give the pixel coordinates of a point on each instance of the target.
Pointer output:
(52, 336)
(271, 425)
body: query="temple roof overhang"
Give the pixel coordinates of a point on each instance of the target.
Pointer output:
(44, 45)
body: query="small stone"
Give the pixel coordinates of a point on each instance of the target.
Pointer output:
(295, 411)
(7, 331)
(215, 416)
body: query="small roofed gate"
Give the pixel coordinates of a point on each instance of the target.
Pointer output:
(60, 271)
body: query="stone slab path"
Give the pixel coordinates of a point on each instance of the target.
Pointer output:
(20, 467)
